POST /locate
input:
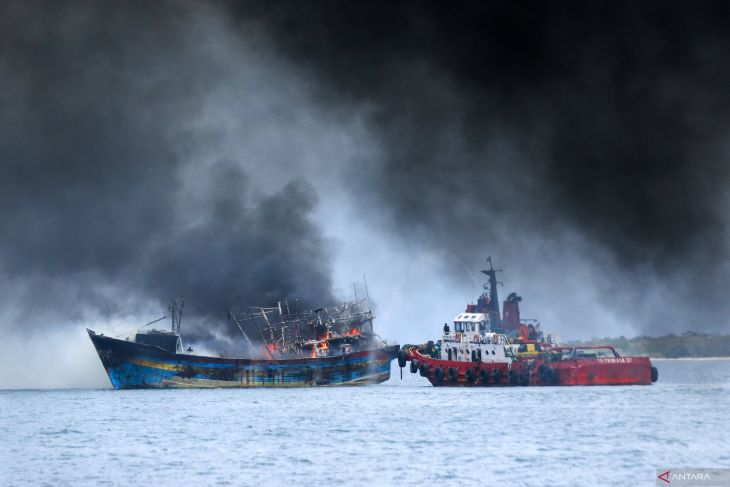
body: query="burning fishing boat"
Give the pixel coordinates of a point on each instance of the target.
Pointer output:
(325, 346)
(486, 349)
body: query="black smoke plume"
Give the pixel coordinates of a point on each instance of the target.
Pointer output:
(567, 139)
(114, 199)
(513, 127)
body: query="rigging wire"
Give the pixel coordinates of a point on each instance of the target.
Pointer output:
(148, 324)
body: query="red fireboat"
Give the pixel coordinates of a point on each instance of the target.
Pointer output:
(486, 349)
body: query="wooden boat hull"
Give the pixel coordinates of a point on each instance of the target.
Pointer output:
(131, 365)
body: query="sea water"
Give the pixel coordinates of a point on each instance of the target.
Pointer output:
(397, 433)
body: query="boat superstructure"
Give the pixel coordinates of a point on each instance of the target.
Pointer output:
(482, 348)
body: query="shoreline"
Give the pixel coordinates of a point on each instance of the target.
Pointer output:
(690, 358)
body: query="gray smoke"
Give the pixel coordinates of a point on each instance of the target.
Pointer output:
(240, 153)
(120, 187)
(584, 144)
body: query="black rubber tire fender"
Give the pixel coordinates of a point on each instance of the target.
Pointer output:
(654, 374)
(438, 373)
(470, 375)
(484, 376)
(453, 374)
(423, 369)
(414, 366)
(402, 358)
(553, 378)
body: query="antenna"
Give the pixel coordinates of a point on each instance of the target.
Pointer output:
(469, 272)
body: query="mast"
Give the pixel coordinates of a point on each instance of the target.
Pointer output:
(367, 300)
(232, 315)
(494, 317)
(175, 310)
(253, 318)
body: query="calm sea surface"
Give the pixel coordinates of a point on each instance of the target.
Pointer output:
(398, 433)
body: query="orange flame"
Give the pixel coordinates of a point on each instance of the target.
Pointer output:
(318, 347)
(327, 336)
(353, 333)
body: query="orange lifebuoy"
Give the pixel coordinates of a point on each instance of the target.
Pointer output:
(476, 338)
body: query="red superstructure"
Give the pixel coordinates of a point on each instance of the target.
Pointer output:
(485, 349)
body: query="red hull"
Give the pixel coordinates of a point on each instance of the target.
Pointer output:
(596, 372)
(535, 372)
(466, 373)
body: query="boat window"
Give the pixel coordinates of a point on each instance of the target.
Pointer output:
(595, 352)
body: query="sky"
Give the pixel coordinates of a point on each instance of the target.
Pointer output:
(237, 153)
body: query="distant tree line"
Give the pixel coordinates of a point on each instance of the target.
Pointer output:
(688, 344)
